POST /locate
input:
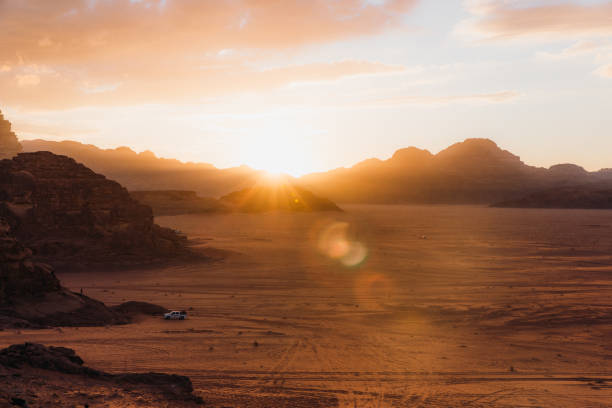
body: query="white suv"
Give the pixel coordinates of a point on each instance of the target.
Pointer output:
(176, 315)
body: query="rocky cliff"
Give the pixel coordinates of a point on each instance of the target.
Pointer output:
(31, 294)
(71, 216)
(19, 276)
(9, 145)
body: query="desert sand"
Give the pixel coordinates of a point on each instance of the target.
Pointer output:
(434, 306)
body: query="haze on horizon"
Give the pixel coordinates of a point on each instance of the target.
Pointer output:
(298, 86)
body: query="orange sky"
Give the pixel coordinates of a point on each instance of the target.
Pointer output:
(299, 85)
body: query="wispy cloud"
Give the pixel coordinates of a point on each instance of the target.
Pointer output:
(579, 48)
(509, 19)
(495, 97)
(604, 71)
(122, 51)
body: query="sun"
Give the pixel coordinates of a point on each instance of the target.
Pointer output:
(279, 156)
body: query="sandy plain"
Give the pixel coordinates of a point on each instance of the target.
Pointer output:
(380, 306)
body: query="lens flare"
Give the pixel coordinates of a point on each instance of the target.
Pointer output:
(336, 242)
(374, 291)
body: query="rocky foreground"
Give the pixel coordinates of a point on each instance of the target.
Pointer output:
(33, 375)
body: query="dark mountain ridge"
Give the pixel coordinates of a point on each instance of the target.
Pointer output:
(475, 171)
(147, 172)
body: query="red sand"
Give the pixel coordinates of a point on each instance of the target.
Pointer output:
(465, 306)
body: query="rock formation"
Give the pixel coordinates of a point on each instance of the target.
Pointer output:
(68, 214)
(46, 376)
(9, 145)
(19, 276)
(31, 294)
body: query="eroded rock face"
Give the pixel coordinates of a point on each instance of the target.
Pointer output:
(31, 295)
(19, 276)
(65, 211)
(9, 145)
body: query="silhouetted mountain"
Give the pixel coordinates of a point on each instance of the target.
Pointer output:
(587, 197)
(146, 172)
(277, 196)
(473, 171)
(176, 202)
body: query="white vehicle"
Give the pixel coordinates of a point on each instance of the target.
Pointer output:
(176, 315)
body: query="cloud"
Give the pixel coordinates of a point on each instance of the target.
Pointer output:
(508, 19)
(577, 49)
(164, 50)
(604, 71)
(495, 97)
(173, 84)
(27, 80)
(79, 30)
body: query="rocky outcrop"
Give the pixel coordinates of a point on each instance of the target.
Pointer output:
(277, 197)
(31, 294)
(9, 145)
(45, 376)
(19, 276)
(70, 215)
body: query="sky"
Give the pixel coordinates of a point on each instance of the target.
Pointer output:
(299, 86)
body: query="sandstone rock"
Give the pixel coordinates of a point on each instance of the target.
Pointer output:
(9, 145)
(19, 276)
(31, 295)
(58, 365)
(70, 215)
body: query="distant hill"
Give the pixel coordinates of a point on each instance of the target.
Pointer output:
(277, 197)
(177, 202)
(564, 197)
(145, 171)
(471, 172)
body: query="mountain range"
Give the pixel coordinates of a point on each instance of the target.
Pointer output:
(475, 171)
(147, 172)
